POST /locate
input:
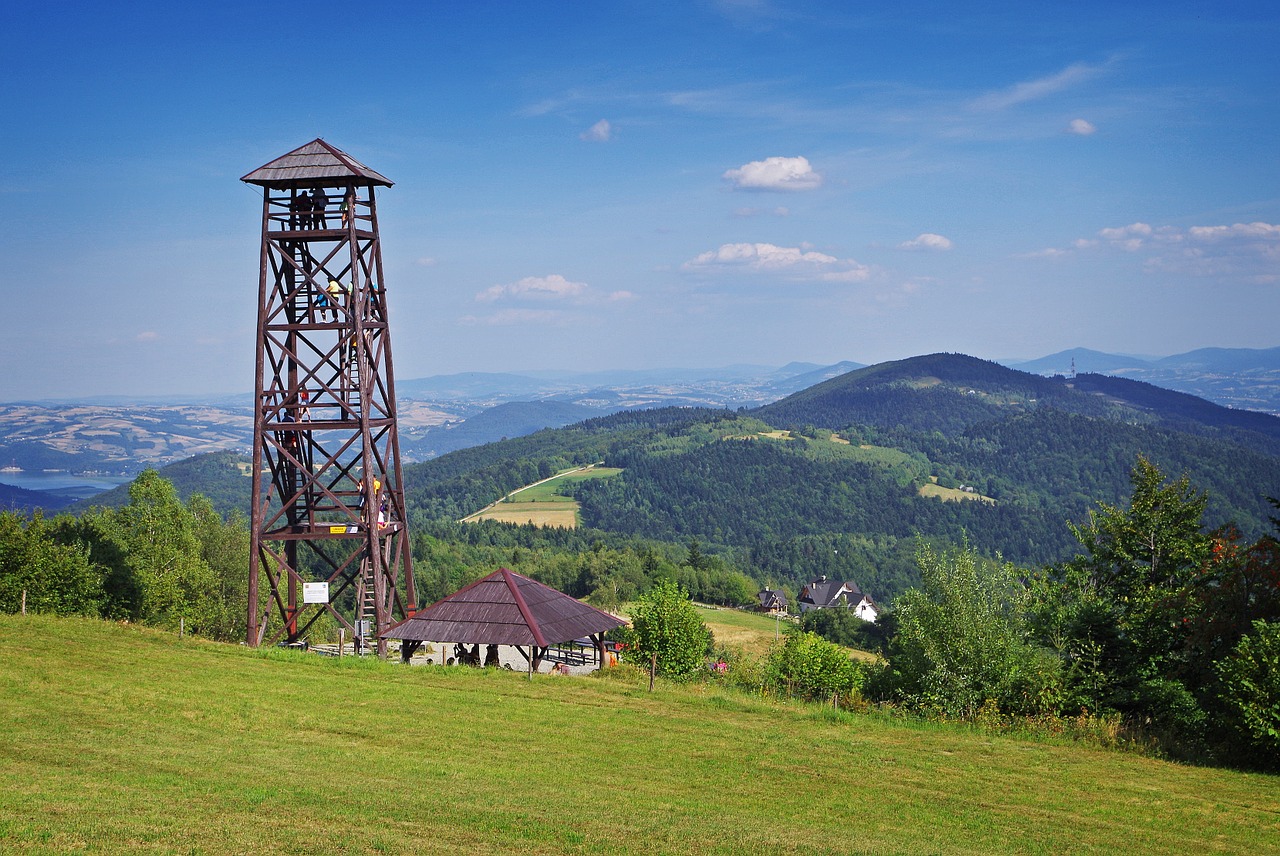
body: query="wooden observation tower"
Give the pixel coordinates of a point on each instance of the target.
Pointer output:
(328, 516)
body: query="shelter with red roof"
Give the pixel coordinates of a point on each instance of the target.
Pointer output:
(506, 608)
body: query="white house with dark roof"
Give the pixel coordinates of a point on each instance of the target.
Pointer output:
(823, 593)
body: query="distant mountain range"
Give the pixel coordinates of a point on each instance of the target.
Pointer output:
(844, 476)
(444, 413)
(1243, 378)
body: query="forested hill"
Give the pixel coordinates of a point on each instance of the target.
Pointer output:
(844, 478)
(221, 477)
(854, 477)
(455, 485)
(1187, 412)
(24, 500)
(949, 393)
(938, 392)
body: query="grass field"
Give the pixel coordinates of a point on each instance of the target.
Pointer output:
(540, 513)
(951, 494)
(753, 632)
(123, 740)
(541, 503)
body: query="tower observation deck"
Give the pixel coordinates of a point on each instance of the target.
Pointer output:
(328, 494)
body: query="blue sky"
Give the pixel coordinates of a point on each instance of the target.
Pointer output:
(584, 185)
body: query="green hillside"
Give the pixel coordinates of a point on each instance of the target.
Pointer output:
(222, 477)
(170, 746)
(791, 504)
(950, 393)
(829, 480)
(21, 499)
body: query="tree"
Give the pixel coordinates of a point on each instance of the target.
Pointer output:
(1124, 612)
(612, 576)
(1251, 688)
(224, 548)
(961, 641)
(160, 540)
(666, 623)
(97, 532)
(844, 627)
(55, 578)
(1154, 545)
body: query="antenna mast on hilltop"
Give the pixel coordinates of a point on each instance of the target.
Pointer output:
(328, 516)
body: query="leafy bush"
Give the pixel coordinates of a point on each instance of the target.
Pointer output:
(962, 641)
(1251, 688)
(810, 667)
(42, 574)
(844, 627)
(666, 623)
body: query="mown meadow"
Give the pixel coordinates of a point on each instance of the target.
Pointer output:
(124, 739)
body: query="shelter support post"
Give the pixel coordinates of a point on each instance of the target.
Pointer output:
(407, 649)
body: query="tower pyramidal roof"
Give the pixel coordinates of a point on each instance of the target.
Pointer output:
(315, 163)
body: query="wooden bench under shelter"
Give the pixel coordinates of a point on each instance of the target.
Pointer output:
(506, 608)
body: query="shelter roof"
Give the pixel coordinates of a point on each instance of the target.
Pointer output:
(505, 608)
(315, 163)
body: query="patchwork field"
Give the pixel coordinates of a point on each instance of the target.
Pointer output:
(563, 514)
(541, 503)
(132, 741)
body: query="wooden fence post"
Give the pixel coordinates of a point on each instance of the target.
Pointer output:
(653, 669)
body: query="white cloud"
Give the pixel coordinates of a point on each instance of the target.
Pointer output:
(1046, 253)
(1240, 231)
(1081, 127)
(513, 317)
(147, 336)
(761, 256)
(1129, 237)
(775, 174)
(425, 261)
(1034, 90)
(553, 287)
(926, 241)
(854, 273)
(1248, 251)
(600, 132)
(1241, 251)
(796, 262)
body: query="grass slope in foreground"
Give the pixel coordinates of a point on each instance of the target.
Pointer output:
(119, 739)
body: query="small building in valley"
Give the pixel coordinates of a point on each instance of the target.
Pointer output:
(837, 594)
(773, 601)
